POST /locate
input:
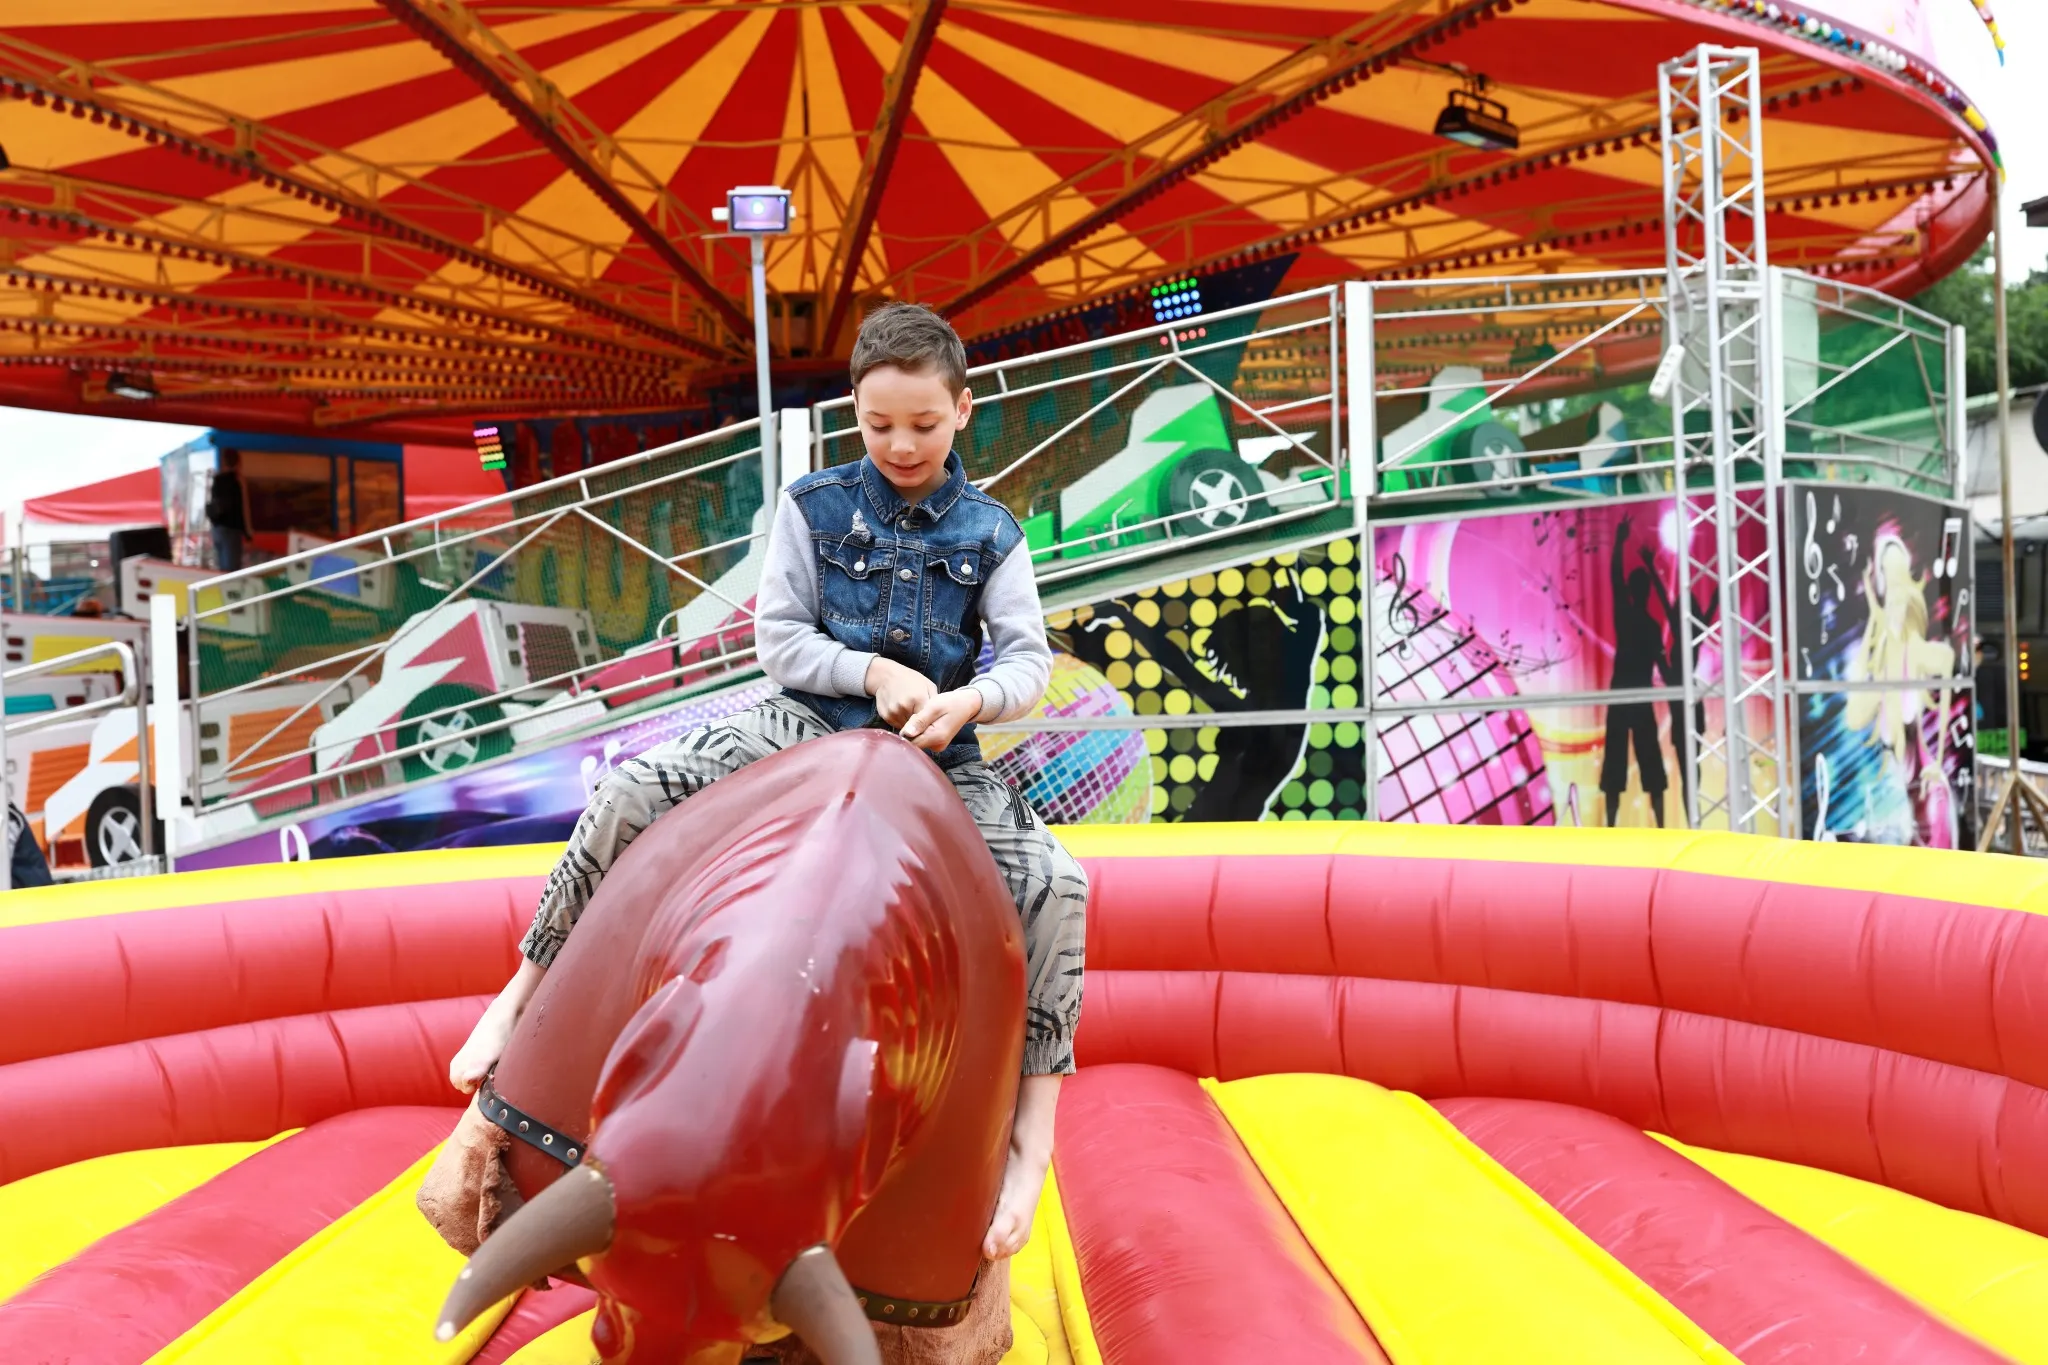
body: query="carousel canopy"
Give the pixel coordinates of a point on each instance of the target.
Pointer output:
(388, 216)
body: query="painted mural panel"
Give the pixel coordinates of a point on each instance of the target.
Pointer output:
(1888, 767)
(1880, 586)
(1496, 643)
(1278, 634)
(534, 798)
(1563, 602)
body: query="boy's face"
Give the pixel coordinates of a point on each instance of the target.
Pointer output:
(908, 419)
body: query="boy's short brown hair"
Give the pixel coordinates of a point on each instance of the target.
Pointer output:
(910, 337)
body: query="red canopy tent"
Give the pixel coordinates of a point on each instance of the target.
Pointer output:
(126, 500)
(387, 217)
(439, 478)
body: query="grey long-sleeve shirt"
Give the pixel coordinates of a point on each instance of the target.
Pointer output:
(796, 652)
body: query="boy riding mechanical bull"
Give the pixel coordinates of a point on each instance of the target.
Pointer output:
(880, 581)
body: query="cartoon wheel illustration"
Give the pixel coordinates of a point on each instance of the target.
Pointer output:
(1216, 490)
(449, 717)
(113, 827)
(1495, 452)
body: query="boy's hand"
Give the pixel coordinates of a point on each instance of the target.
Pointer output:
(940, 719)
(898, 691)
(486, 1043)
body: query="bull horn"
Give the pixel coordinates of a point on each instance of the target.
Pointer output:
(814, 1300)
(568, 1220)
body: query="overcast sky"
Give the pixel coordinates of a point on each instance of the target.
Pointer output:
(48, 452)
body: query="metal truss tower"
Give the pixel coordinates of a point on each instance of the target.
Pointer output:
(1726, 432)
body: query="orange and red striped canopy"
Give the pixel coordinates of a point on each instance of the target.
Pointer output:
(395, 214)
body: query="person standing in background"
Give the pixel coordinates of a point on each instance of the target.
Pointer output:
(25, 856)
(227, 512)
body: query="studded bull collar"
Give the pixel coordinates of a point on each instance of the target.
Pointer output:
(567, 1150)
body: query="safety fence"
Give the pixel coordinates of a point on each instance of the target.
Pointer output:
(1205, 454)
(446, 641)
(1222, 429)
(1497, 393)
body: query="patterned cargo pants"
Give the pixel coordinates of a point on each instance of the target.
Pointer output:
(1050, 888)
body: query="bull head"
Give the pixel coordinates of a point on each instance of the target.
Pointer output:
(799, 1028)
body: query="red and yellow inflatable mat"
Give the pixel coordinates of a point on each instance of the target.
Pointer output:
(1347, 1093)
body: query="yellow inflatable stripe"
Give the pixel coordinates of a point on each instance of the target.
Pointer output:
(566, 1343)
(1450, 1260)
(2003, 883)
(53, 1215)
(1066, 1278)
(363, 1288)
(1039, 1336)
(123, 896)
(1986, 1278)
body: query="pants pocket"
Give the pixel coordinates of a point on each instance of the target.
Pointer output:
(1019, 807)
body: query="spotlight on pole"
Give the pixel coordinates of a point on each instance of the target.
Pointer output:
(758, 212)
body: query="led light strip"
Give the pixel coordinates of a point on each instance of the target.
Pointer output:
(1878, 54)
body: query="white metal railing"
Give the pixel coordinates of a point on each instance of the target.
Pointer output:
(1531, 359)
(1910, 437)
(1488, 411)
(491, 535)
(132, 694)
(1111, 383)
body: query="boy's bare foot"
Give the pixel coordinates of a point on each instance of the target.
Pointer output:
(486, 1041)
(1010, 1229)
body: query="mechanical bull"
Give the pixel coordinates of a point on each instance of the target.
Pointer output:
(766, 1089)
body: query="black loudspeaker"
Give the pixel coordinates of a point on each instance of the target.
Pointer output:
(153, 542)
(2041, 420)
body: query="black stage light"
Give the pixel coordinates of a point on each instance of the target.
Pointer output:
(1473, 119)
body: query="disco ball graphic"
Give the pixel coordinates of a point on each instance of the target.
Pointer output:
(1100, 777)
(1451, 768)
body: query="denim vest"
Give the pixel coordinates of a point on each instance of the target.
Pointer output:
(903, 580)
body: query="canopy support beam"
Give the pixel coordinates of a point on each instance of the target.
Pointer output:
(286, 163)
(583, 148)
(897, 91)
(1205, 135)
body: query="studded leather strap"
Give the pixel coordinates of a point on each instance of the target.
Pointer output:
(916, 1313)
(525, 1127)
(565, 1149)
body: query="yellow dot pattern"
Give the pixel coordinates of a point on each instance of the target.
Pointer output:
(1328, 780)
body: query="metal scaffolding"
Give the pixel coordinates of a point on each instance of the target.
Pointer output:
(1725, 431)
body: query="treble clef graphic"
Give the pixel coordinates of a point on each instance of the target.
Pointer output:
(1403, 616)
(1810, 555)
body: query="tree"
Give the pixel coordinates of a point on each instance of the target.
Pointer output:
(1965, 298)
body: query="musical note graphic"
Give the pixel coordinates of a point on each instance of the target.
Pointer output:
(1810, 554)
(1822, 834)
(1836, 515)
